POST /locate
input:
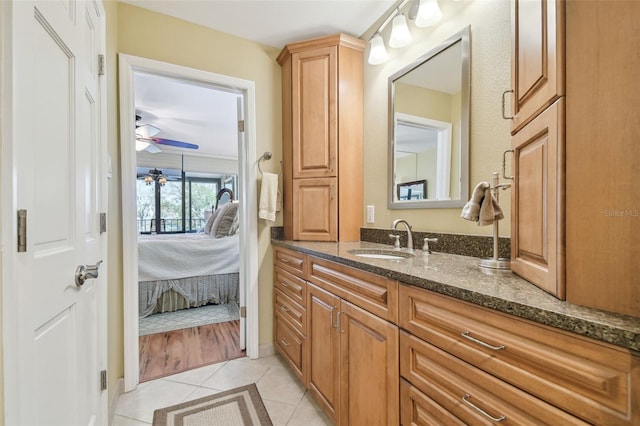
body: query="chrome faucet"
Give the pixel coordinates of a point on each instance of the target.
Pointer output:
(394, 225)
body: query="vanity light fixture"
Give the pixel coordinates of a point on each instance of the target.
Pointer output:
(427, 13)
(377, 51)
(400, 35)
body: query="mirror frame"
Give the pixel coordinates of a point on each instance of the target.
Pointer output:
(463, 36)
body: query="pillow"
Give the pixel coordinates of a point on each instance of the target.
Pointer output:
(235, 225)
(226, 216)
(209, 224)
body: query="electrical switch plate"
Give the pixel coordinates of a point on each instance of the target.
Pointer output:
(370, 214)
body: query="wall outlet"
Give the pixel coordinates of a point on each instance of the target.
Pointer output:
(370, 214)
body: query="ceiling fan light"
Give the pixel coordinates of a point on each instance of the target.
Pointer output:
(377, 51)
(148, 180)
(162, 180)
(428, 13)
(147, 131)
(141, 145)
(400, 35)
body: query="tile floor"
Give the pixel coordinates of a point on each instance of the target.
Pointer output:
(286, 400)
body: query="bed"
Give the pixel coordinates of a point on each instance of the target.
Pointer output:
(179, 271)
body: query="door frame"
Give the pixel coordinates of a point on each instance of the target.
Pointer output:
(128, 65)
(9, 367)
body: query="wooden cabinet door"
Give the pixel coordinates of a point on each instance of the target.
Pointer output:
(323, 341)
(315, 209)
(603, 135)
(537, 203)
(537, 57)
(369, 376)
(314, 103)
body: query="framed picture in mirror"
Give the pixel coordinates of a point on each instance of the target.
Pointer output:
(416, 190)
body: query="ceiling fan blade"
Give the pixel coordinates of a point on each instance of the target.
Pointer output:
(171, 142)
(152, 149)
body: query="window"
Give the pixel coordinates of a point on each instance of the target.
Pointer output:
(182, 204)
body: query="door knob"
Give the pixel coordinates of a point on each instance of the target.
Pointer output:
(85, 272)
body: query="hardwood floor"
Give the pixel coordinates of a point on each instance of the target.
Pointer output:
(172, 352)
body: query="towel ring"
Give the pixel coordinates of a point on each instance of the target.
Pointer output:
(267, 156)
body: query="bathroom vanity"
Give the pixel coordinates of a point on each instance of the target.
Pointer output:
(434, 339)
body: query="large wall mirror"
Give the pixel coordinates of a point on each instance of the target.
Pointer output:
(429, 128)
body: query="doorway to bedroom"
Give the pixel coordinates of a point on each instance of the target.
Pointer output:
(191, 160)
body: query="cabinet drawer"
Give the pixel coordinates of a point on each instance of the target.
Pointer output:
(289, 260)
(295, 314)
(418, 409)
(470, 394)
(292, 286)
(374, 293)
(589, 379)
(291, 346)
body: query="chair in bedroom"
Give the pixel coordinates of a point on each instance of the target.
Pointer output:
(225, 195)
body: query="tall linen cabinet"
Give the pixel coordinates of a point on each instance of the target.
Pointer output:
(322, 104)
(575, 131)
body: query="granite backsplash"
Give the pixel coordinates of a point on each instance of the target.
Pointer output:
(463, 245)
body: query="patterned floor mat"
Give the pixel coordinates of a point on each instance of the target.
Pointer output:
(185, 318)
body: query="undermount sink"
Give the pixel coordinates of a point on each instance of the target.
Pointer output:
(381, 254)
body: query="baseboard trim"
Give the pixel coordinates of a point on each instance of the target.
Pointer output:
(266, 349)
(119, 390)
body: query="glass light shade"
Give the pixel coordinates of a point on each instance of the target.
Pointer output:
(162, 180)
(148, 180)
(428, 13)
(141, 146)
(377, 51)
(400, 35)
(147, 131)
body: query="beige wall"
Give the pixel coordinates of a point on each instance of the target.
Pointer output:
(139, 32)
(489, 133)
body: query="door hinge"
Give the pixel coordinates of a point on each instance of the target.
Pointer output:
(22, 231)
(243, 311)
(103, 380)
(101, 64)
(241, 125)
(103, 223)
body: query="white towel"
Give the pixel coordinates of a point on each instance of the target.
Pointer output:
(269, 197)
(471, 210)
(490, 211)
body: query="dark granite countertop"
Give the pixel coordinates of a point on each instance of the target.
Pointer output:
(462, 278)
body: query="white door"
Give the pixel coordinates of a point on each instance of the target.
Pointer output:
(57, 141)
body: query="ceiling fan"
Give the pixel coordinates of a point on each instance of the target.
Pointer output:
(145, 140)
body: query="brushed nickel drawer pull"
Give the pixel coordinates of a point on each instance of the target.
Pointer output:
(467, 336)
(284, 308)
(284, 342)
(284, 260)
(504, 115)
(284, 284)
(465, 399)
